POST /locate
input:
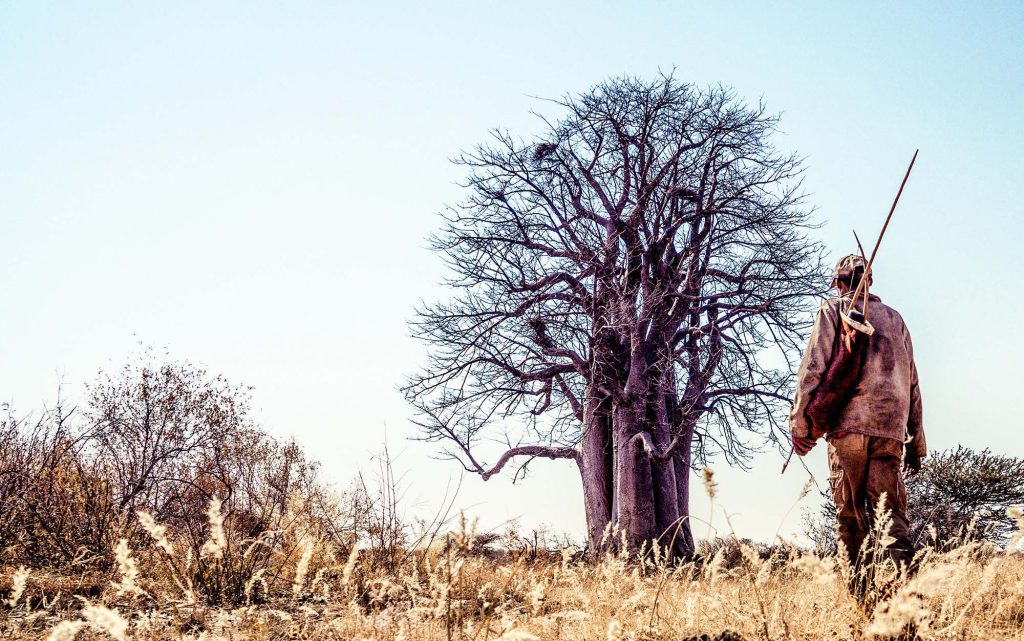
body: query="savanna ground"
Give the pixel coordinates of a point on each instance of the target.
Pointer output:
(461, 586)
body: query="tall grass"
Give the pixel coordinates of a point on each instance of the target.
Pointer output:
(307, 587)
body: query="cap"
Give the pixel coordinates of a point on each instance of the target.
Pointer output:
(848, 266)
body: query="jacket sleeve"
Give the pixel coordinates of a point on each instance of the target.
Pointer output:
(915, 427)
(812, 369)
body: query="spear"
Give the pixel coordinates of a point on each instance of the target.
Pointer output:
(860, 248)
(871, 261)
(789, 458)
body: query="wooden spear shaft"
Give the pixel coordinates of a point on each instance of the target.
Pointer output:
(863, 257)
(871, 261)
(789, 458)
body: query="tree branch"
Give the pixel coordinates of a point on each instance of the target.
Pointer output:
(526, 450)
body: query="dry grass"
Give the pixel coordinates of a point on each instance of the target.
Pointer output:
(460, 591)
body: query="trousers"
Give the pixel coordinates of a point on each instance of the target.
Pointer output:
(861, 469)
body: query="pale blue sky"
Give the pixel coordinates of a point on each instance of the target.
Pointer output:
(251, 184)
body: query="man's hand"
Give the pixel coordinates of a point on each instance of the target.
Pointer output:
(802, 446)
(912, 463)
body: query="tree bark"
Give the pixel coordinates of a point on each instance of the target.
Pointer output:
(596, 469)
(635, 511)
(663, 470)
(666, 500)
(682, 461)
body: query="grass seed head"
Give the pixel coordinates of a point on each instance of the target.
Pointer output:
(217, 542)
(157, 531)
(65, 631)
(710, 484)
(18, 583)
(128, 568)
(106, 620)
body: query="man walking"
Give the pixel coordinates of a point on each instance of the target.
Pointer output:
(878, 429)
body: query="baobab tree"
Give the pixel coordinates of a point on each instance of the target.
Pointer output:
(630, 291)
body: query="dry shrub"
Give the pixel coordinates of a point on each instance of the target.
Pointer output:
(162, 438)
(731, 551)
(58, 505)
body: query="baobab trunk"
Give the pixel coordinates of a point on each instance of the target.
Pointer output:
(672, 511)
(682, 460)
(651, 475)
(596, 468)
(684, 427)
(666, 502)
(634, 503)
(651, 501)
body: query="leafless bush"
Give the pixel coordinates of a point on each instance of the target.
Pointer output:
(58, 508)
(164, 438)
(729, 552)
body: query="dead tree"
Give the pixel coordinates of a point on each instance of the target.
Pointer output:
(630, 290)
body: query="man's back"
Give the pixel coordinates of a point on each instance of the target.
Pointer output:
(887, 400)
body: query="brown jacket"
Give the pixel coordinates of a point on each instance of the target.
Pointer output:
(887, 401)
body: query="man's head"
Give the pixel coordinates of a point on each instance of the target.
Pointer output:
(849, 271)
